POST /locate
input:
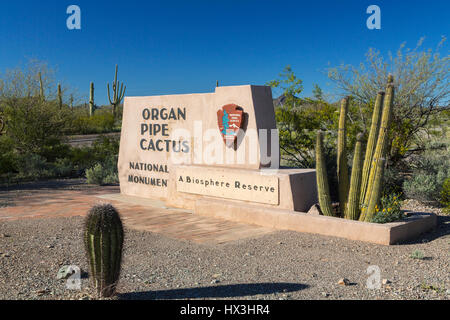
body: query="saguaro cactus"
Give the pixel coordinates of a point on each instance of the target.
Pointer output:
(60, 102)
(118, 93)
(103, 240)
(41, 87)
(373, 134)
(91, 100)
(353, 209)
(323, 189)
(342, 168)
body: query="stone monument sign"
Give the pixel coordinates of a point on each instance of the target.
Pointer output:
(221, 145)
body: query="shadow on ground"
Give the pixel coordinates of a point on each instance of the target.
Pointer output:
(225, 291)
(442, 230)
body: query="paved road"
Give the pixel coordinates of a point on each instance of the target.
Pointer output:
(89, 139)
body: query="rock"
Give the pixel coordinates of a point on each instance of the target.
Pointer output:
(42, 292)
(315, 209)
(4, 255)
(385, 281)
(215, 281)
(50, 246)
(65, 272)
(448, 292)
(3, 235)
(325, 294)
(344, 282)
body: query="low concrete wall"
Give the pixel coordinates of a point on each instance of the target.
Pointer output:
(385, 234)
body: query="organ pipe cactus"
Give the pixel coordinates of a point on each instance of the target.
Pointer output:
(380, 149)
(363, 196)
(376, 191)
(371, 141)
(342, 169)
(103, 240)
(353, 209)
(323, 189)
(91, 100)
(118, 93)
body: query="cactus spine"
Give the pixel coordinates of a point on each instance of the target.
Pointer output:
(380, 151)
(91, 100)
(103, 240)
(323, 189)
(60, 102)
(352, 211)
(373, 134)
(342, 169)
(118, 93)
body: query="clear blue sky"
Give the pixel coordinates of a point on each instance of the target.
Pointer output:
(170, 47)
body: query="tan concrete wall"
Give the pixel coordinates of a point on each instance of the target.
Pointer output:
(385, 234)
(297, 188)
(256, 102)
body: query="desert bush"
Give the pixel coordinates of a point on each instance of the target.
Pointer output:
(103, 173)
(101, 122)
(422, 91)
(429, 171)
(393, 181)
(445, 196)
(389, 210)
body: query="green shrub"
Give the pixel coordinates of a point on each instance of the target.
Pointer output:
(445, 196)
(393, 181)
(389, 210)
(417, 254)
(8, 157)
(103, 173)
(101, 122)
(428, 175)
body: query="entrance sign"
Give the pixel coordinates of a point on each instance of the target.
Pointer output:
(220, 145)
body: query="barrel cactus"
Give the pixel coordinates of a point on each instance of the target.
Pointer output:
(103, 240)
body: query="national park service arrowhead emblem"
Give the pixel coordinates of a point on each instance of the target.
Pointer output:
(230, 119)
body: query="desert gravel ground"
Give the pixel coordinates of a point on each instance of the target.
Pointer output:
(280, 265)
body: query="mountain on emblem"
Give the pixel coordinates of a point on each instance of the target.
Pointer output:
(230, 119)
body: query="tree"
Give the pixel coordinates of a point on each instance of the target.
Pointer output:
(422, 90)
(298, 120)
(32, 124)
